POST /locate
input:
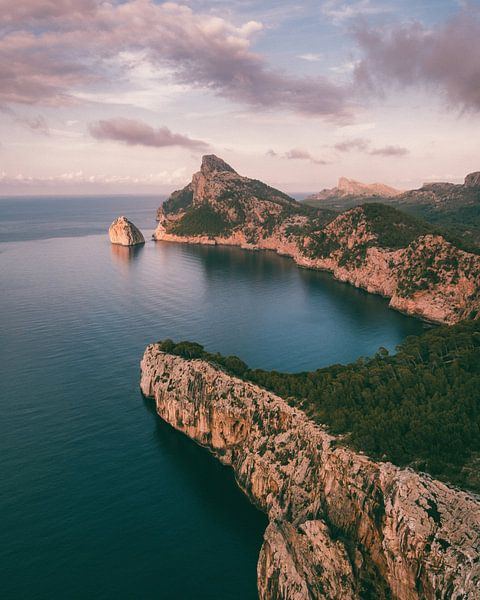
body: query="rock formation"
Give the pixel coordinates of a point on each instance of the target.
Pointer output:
(473, 180)
(373, 247)
(341, 526)
(350, 187)
(123, 232)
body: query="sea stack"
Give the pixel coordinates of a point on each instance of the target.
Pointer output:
(123, 232)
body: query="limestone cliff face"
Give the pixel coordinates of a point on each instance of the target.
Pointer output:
(425, 276)
(341, 526)
(123, 232)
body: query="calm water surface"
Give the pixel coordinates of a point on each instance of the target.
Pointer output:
(98, 497)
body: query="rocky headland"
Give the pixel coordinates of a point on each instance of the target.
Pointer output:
(372, 246)
(124, 233)
(341, 526)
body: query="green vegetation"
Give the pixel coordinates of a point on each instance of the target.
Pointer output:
(459, 225)
(393, 228)
(201, 220)
(178, 201)
(420, 407)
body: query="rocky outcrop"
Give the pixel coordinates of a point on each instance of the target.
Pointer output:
(350, 187)
(473, 180)
(341, 526)
(123, 232)
(372, 247)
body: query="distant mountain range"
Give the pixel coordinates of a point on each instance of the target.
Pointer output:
(455, 207)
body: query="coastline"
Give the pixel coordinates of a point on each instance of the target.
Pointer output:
(361, 523)
(301, 263)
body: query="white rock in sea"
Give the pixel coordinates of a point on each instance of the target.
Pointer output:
(123, 232)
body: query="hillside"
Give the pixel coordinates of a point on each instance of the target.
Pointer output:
(372, 246)
(419, 407)
(454, 209)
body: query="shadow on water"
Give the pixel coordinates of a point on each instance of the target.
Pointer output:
(202, 472)
(231, 261)
(362, 308)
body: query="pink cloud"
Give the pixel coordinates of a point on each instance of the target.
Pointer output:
(21, 11)
(48, 65)
(358, 144)
(300, 154)
(446, 57)
(389, 151)
(138, 133)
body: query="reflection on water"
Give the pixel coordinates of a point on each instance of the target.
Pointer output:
(123, 255)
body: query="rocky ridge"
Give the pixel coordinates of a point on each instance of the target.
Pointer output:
(351, 187)
(123, 232)
(449, 205)
(372, 247)
(341, 526)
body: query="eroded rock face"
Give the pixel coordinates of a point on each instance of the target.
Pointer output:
(123, 232)
(342, 526)
(428, 277)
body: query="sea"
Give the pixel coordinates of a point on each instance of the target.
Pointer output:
(100, 499)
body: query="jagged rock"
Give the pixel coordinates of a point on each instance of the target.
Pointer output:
(213, 164)
(378, 249)
(123, 232)
(342, 526)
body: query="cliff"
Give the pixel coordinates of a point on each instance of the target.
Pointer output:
(341, 526)
(123, 232)
(372, 246)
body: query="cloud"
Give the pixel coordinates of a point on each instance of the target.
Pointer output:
(50, 64)
(389, 151)
(271, 153)
(339, 10)
(300, 154)
(22, 11)
(21, 180)
(446, 57)
(310, 57)
(359, 144)
(138, 133)
(364, 145)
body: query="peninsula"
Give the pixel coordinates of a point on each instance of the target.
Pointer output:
(372, 246)
(341, 525)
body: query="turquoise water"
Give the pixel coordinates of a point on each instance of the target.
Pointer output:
(99, 498)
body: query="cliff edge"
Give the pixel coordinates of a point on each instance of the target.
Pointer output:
(341, 526)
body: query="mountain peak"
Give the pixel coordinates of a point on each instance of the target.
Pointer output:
(473, 179)
(213, 164)
(353, 187)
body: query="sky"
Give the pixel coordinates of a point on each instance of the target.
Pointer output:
(126, 96)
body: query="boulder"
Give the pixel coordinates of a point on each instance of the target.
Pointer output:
(123, 232)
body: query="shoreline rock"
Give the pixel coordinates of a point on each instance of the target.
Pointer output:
(341, 526)
(124, 233)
